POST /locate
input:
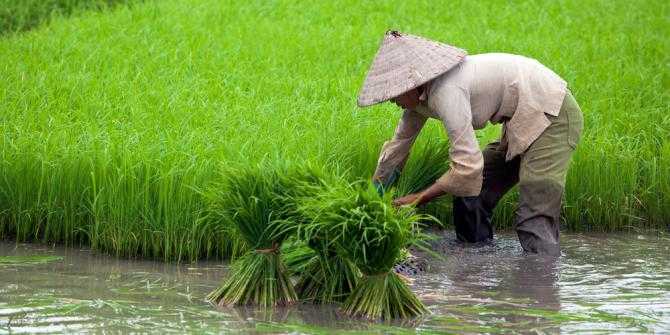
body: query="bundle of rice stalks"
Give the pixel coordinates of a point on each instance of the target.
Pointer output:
(324, 276)
(296, 255)
(251, 201)
(370, 233)
(327, 276)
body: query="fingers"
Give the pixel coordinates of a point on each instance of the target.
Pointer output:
(408, 200)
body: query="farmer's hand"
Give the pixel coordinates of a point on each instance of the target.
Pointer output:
(420, 198)
(410, 199)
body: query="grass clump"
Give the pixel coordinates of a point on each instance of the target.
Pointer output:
(369, 232)
(250, 202)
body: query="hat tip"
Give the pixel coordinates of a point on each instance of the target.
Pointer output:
(393, 33)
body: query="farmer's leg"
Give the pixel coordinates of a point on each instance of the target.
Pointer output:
(542, 175)
(472, 215)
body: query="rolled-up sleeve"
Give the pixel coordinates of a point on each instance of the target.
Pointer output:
(464, 177)
(395, 151)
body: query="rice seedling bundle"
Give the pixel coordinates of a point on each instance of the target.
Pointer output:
(370, 233)
(261, 203)
(296, 255)
(323, 275)
(327, 276)
(250, 202)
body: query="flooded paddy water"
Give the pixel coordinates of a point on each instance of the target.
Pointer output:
(603, 283)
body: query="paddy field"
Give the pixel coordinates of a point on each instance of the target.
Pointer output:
(117, 119)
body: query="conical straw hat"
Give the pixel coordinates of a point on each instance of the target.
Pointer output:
(404, 62)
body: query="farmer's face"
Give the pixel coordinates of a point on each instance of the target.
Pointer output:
(408, 100)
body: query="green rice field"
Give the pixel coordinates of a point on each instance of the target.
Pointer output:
(117, 122)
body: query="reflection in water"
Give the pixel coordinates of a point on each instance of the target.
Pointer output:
(616, 283)
(485, 286)
(536, 279)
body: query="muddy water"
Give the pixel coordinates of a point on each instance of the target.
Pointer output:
(603, 283)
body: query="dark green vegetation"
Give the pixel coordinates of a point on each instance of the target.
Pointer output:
(20, 15)
(115, 124)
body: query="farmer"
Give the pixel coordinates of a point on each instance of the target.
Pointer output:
(541, 125)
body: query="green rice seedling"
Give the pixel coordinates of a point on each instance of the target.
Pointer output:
(29, 260)
(324, 276)
(249, 201)
(367, 230)
(257, 278)
(327, 276)
(425, 165)
(296, 255)
(260, 203)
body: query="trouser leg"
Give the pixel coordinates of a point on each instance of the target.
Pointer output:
(472, 215)
(472, 220)
(538, 216)
(542, 173)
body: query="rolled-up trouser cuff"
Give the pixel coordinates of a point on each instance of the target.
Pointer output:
(534, 244)
(538, 216)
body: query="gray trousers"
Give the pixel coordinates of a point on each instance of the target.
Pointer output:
(540, 172)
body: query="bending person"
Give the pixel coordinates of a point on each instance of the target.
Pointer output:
(542, 124)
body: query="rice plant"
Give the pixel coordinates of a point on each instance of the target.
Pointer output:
(323, 276)
(426, 164)
(249, 201)
(261, 203)
(113, 122)
(296, 255)
(326, 276)
(369, 232)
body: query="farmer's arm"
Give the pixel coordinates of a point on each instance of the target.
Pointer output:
(464, 177)
(395, 152)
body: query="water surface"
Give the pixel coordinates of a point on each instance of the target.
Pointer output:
(602, 284)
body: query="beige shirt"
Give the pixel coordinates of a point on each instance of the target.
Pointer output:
(498, 88)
